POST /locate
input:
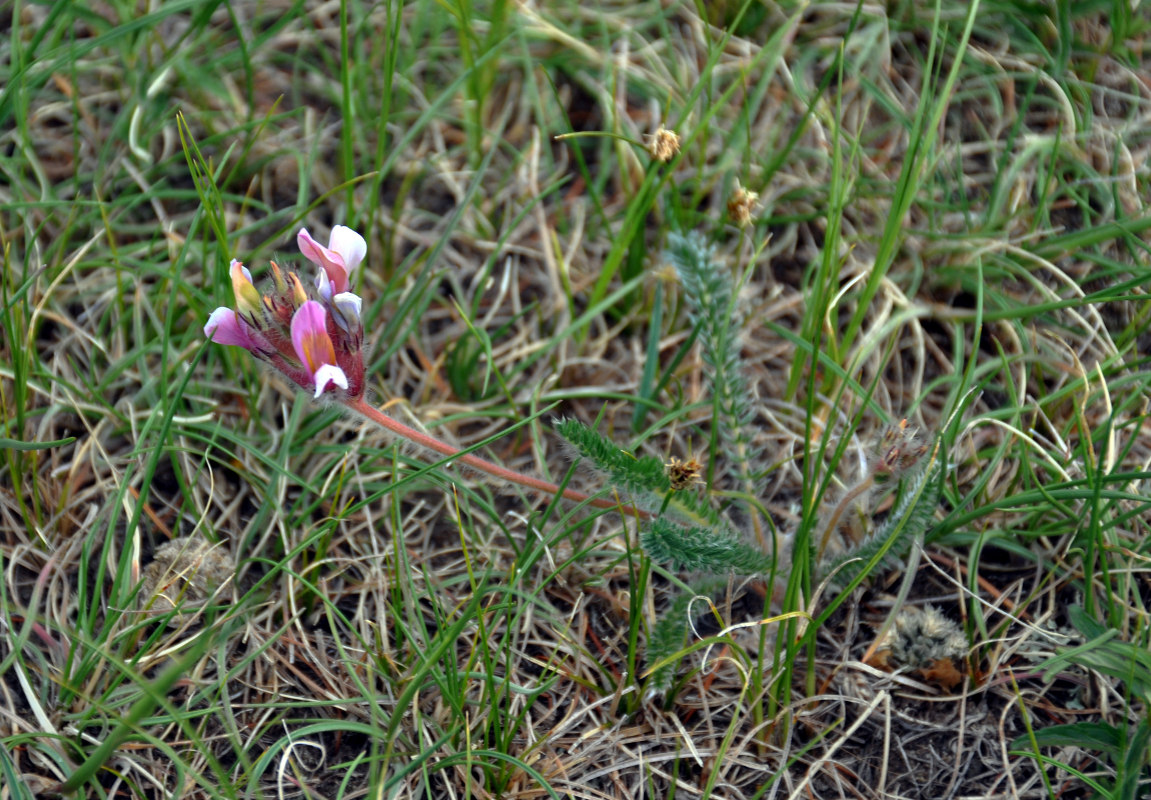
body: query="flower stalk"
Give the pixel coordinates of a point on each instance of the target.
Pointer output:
(360, 406)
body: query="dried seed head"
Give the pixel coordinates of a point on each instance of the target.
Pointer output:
(683, 474)
(921, 638)
(741, 206)
(663, 145)
(185, 573)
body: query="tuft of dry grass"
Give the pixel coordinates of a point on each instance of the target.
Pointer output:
(950, 227)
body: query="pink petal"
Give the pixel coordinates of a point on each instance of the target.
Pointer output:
(312, 250)
(310, 337)
(328, 260)
(226, 327)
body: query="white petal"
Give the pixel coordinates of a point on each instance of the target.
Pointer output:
(349, 305)
(323, 285)
(329, 373)
(348, 244)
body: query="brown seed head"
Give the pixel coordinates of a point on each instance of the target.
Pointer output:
(741, 205)
(663, 145)
(683, 474)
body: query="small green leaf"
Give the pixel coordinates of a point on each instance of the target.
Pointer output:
(1132, 765)
(1105, 653)
(644, 473)
(1092, 735)
(16, 444)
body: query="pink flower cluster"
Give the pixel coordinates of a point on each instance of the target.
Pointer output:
(314, 342)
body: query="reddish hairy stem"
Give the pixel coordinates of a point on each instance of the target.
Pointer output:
(475, 462)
